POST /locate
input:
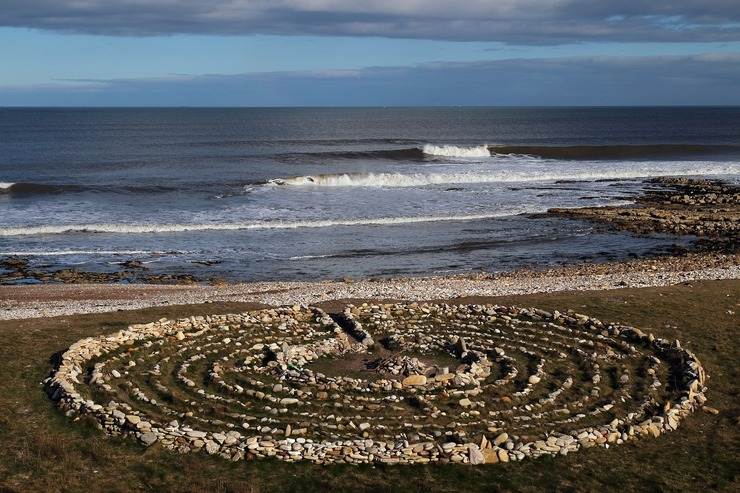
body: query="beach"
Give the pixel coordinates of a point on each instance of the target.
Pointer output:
(56, 300)
(707, 210)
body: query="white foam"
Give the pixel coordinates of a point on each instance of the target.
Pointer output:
(308, 257)
(4, 186)
(456, 151)
(389, 180)
(177, 228)
(59, 253)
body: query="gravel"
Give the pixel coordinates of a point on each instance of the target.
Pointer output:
(20, 302)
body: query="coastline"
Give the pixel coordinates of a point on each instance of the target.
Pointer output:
(703, 215)
(21, 302)
(707, 209)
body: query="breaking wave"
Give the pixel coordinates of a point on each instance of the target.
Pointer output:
(575, 153)
(34, 188)
(420, 153)
(177, 228)
(62, 253)
(456, 151)
(388, 180)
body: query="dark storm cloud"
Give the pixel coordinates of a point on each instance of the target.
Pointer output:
(710, 79)
(512, 21)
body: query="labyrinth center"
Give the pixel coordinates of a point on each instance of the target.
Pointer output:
(401, 383)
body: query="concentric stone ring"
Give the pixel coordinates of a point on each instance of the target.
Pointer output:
(402, 383)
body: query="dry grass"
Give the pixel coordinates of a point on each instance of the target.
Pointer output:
(44, 451)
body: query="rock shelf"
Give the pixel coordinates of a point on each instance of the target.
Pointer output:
(706, 208)
(406, 383)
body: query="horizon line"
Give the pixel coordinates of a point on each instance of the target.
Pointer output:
(539, 106)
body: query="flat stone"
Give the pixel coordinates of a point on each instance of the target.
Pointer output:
(212, 447)
(412, 380)
(148, 438)
(448, 446)
(501, 439)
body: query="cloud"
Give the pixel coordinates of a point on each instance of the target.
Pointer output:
(511, 21)
(709, 79)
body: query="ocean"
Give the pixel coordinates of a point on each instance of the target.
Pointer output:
(322, 193)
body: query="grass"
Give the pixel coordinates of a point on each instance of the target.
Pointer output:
(42, 450)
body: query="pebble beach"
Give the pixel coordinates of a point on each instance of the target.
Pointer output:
(19, 302)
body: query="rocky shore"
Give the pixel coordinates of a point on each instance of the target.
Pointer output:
(704, 208)
(14, 269)
(707, 209)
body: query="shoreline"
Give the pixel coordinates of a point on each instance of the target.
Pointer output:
(707, 209)
(51, 300)
(705, 212)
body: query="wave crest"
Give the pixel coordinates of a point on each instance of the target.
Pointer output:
(179, 228)
(456, 151)
(392, 180)
(559, 152)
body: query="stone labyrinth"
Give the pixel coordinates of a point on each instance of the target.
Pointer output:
(404, 383)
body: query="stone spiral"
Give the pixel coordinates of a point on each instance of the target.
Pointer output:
(402, 383)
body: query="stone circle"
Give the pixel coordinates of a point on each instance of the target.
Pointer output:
(398, 383)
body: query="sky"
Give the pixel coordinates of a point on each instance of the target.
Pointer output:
(379, 53)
